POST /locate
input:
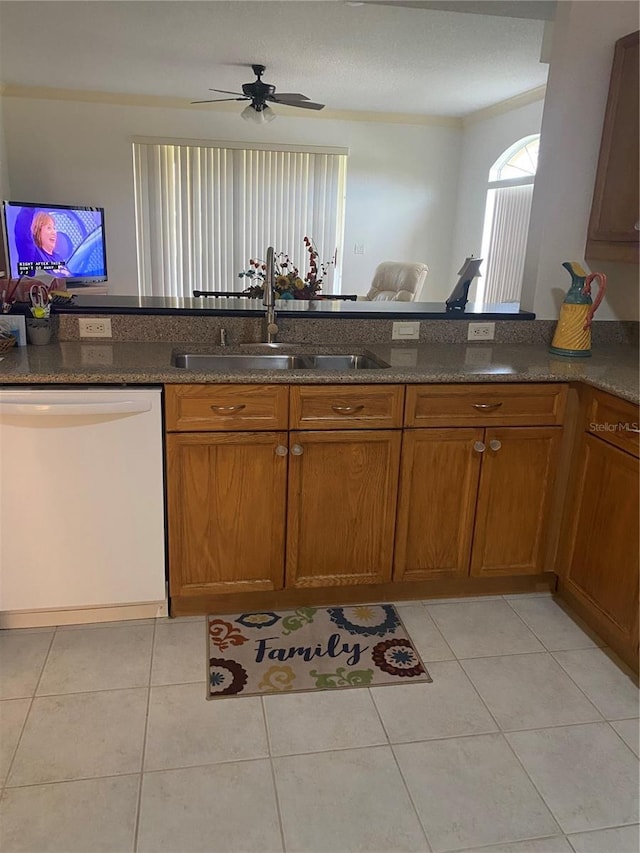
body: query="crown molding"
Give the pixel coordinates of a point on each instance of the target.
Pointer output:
(521, 100)
(122, 99)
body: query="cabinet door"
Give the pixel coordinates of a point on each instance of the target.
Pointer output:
(226, 512)
(612, 228)
(602, 567)
(514, 499)
(437, 502)
(341, 506)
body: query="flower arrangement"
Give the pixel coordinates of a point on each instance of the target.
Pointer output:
(288, 283)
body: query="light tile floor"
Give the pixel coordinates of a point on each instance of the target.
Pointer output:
(526, 742)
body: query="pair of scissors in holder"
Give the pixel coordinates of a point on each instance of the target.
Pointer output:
(39, 296)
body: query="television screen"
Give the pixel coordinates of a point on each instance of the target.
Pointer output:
(63, 241)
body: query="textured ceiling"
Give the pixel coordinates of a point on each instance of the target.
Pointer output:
(390, 58)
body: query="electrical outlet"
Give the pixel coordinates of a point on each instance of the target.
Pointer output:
(481, 331)
(358, 249)
(94, 328)
(405, 332)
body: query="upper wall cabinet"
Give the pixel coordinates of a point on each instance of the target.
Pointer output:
(614, 225)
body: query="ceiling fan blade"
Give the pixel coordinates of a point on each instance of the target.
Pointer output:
(219, 100)
(306, 105)
(287, 96)
(225, 91)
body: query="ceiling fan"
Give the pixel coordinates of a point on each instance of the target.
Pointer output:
(260, 94)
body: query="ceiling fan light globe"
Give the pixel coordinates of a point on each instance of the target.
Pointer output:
(268, 114)
(250, 113)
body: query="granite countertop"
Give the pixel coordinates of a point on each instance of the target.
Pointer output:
(613, 367)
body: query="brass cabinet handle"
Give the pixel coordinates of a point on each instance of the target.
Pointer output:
(281, 450)
(347, 410)
(494, 444)
(228, 410)
(486, 407)
(296, 450)
(480, 446)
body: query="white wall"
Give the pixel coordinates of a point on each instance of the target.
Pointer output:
(401, 179)
(582, 53)
(5, 189)
(483, 142)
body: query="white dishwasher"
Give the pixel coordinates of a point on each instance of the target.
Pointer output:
(81, 506)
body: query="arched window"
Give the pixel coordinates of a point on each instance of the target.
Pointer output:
(506, 221)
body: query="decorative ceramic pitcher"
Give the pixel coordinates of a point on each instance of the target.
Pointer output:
(573, 332)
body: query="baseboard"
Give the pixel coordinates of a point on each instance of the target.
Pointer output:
(83, 615)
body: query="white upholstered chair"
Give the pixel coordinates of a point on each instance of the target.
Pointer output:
(397, 281)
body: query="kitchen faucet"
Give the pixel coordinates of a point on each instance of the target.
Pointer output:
(268, 299)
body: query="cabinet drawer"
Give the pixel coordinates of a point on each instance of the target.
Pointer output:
(209, 408)
(613, 420)
(346, 406)
(484, 405)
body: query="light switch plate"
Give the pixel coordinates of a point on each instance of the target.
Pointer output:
(405, 332)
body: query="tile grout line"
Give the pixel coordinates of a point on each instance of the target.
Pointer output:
(565, 613)
(530, 778)
(136, 828)
(404, 781)
(273, 774)
(411, 800)
(26, 716)
(505, 740)
(568, 674)
(546, 652)
(439, 633)
(507, 843)
(611, 722)
(501, 598)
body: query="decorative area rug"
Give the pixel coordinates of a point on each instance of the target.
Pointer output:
(311, 648)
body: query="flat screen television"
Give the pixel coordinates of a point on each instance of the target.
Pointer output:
(64, 241)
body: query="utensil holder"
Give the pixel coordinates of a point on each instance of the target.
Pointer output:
(39, 330)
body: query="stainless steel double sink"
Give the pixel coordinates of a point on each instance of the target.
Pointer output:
(277, 361)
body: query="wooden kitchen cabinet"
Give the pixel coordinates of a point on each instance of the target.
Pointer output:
(437, 503)
(226, 449)
(340, 490)
(226, 502)
(341, 506)
(238, 502)
(599, 555)
(476, 499)
(613, 227)
(514, 500)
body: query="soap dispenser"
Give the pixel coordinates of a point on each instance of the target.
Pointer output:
(573, 333)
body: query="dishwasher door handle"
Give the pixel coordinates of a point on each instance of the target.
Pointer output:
(120, 407)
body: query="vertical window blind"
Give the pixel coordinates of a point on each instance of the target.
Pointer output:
(506, 228)
(202, 211)
(506, 221)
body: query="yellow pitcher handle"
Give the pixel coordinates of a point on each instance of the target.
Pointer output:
(602, 286)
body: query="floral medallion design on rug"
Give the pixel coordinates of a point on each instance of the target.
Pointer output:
(310, 648)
